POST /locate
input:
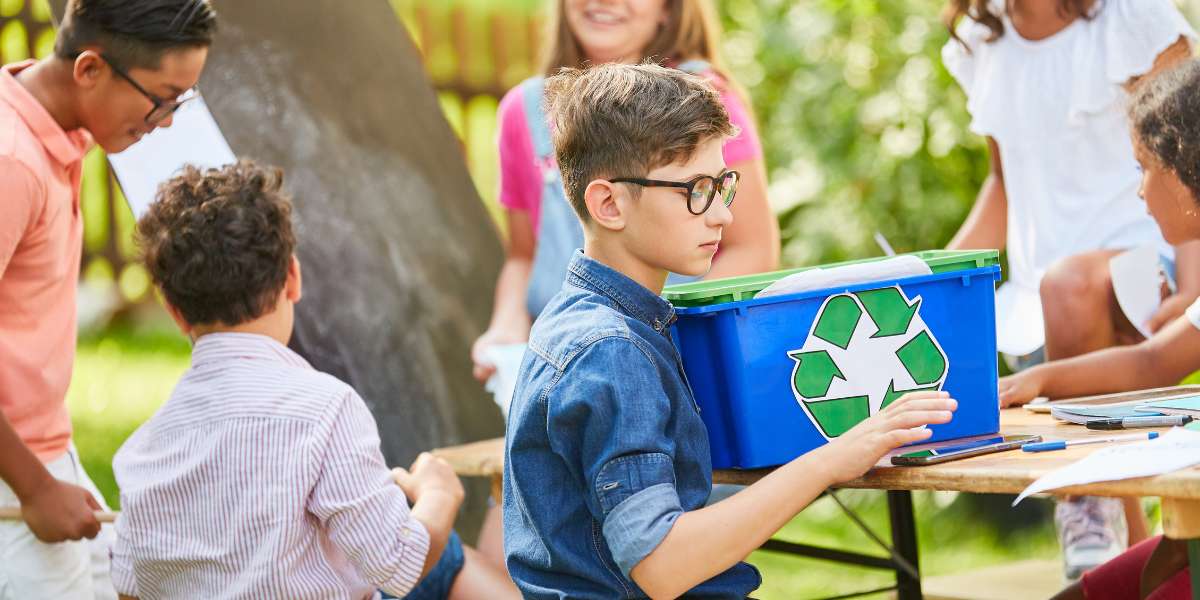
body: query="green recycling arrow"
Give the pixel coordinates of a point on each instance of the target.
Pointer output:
(814, 373)
(838, 415)
(893, 395)
(889, 310)
(838, 320)
(923, 359)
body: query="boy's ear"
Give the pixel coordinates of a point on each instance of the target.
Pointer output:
(87, 68)
(604, 206)
(292, 287)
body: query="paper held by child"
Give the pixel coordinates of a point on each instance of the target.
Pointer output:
(1178, 449)
(193, 138)
(502, 383)
(1137, 282)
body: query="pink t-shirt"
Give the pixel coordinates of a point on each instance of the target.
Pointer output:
(41, 240)
(521, 176)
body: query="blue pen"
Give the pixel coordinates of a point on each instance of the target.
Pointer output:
(1063, 444)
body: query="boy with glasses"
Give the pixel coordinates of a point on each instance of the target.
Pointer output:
(120, 68)
(607, 467)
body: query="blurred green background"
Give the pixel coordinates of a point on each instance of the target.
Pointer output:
(863, 130)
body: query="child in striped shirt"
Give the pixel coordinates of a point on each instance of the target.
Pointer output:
(260, 476)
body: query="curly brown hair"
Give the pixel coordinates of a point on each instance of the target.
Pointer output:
(984, 13)
(1165, 114)
(218, 243)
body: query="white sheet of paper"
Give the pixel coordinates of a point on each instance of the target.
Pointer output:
(193, 137)
(1178, 449)
(502, 383)
(1135, 279)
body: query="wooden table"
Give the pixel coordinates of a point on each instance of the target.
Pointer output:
(1001, 473)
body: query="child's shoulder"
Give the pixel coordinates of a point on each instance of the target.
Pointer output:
(576, 323)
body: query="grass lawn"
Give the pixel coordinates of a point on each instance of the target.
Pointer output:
(122, 377)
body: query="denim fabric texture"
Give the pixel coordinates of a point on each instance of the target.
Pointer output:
(436, 584)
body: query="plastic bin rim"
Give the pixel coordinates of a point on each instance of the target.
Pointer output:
(993, 270)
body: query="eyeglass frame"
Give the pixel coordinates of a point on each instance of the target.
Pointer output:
(171, 105)
(690, 186)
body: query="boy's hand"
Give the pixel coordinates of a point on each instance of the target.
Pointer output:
(429, 475)
(60, 511)
(853, 453)
(1021, 388)
(1171, 308)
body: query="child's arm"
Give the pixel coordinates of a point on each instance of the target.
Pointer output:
(705, 542)
(365, 514)
(510, 322)
(437, 494)
(1164, 359)
(986, 226)
(1187, 279)
(54, 510)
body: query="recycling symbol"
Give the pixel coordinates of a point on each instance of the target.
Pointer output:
(864, 351)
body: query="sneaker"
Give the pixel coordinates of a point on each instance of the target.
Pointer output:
(1091, 531)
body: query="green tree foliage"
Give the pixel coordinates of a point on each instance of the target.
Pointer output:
(863, 128)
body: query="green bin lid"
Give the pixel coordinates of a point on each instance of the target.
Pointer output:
(733, 289)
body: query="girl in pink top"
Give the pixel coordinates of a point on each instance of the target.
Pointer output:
(542, 229)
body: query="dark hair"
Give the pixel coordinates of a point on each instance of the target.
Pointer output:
(1165, 115)
(218, 244)
(981, 11)
(617, 120)
(135, 33)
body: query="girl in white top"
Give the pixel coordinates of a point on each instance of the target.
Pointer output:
(1046, 82)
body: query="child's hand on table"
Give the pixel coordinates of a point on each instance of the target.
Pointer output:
(853, 453)
(429, 475)
(1021, 388)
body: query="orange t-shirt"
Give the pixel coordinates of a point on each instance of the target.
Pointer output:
(41, 242)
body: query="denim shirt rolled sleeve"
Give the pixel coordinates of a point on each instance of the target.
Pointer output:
(605, 449)
(624, 450)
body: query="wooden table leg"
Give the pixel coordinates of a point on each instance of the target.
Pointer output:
(497, 489)
(1181, 521)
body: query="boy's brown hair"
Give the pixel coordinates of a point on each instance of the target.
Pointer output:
(218, 243)
(617, 120)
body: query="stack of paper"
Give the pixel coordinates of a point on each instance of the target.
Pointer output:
(1178, 449)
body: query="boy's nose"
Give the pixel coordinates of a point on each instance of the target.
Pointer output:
(719, 214)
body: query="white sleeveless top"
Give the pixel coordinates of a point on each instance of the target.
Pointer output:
(1056, 107)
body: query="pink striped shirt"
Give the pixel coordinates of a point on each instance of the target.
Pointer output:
(261, 477)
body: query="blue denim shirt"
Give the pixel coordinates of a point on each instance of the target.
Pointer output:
(605, 446)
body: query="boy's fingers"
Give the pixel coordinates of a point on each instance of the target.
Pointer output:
(903, 437)
(940, 403)
(401, 476)
(917, 418)
(915, 396)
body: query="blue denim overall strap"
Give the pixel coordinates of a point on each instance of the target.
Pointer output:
(559, 232)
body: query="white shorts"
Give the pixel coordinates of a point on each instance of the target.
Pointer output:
(30, 568)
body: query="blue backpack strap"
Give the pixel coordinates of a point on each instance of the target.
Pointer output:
(535, 117)
(697, 66)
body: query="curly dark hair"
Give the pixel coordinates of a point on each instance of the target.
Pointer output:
(218, 243)
(1165, 115)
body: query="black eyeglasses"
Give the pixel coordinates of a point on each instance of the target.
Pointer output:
(701, 190)
(162, 108)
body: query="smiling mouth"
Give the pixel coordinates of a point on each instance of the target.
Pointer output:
(602, 17)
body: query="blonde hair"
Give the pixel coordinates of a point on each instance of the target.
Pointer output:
(691, 32)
